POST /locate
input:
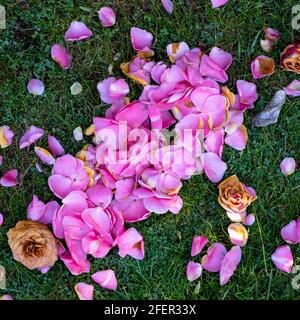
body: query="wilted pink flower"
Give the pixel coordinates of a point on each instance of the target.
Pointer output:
(218, 3)
(168, 5)
(35, 87)
(229, 264)
(272, 34)
(84, 291)
(44, 155)
(193, 271)
(9, 179)
(68, 174)
(55, 147)
(283, 259)
(106, 279)
(77, 31)
(288, 166)
(61, 55)
(140, 38)
(31, 136)
(262, 66)
(198, 244)
(6, 136)
(293, 89)
(107, 16)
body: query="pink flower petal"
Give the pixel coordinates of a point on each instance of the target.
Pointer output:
(238, 234)
(106, 279)
(272, 34)
(198, 244)
(238, 139)
(290, 233)
(44, 155)
(266, 45)
(214, 142)
(100, 195)
(135, 114)
(168, 5)
(247, 95)
(95, 245)
(283, 259)
(35, 87)
(6, 136)
(107, 16)
(35, 209)
(262, 66)
(6, 297)
(72, 265)
(236, 216)
(193, 271)
(218, 3)
(55, 147)
(249, 220)
(229, 264)
(9, 179)
(176, 50)
(214, 167)
(140, 39)
(77, 31)
(213, 259)
(61, 55)
(1, 219)
(293, 89)
(288, 166)
(84, 291)
(31, 136)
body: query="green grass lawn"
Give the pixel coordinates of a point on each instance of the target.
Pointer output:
(33, 26)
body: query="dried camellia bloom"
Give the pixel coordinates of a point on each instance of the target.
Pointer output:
(234, 196)
(33, 244)
(290, 57)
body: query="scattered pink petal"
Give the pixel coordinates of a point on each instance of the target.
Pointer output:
(249, 220)
(107, 16)
(213, 259)
(288, 166)
(6, 297)
(61, 55)
(176, 50)
(214, 167)
(293, 89)
(140, 39)
(198, 244)
(193, 271)
(9, 179)
(238, 234)
(6, 136)
(266, 45)
(31, 136)
(238, 139)
(168, 5)
(290, 233)
(106, 279)
(262, 66)
(229, 264)
(84, 291)
(44, 155)
(1, 219)
(218, 3)
(236, 216)
(55, 147)
(272, 34)
(77, 31)
(35, 87)
(283, 259)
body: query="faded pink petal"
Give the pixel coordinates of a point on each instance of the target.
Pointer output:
(106, 279)
(6, 297)
(249, 220)
(61, 55)
(35, 209)
(198, 244)
(193, 271)
(131, 243)
(35, 87)
(238, 139)
(168, 5)
(1, 219)
(140, 39)
(262, 66)
(112, 90)
(31, 136)
(213, 259)
(229, 264)
(45, 156)
(290, 233)
(72, 265)
(9, 179)
(95, 245)
(293, 89)
(84, 291)
(135, 114)
(77, 31)
(288, 166)
(272, 34)
(55, 147)
(214, 167)
(6, 136)
(176, 50)
(266, 45)
(100, 195)
(238, 234)
(236, 216)
(214, 142)
(221, 58)
(247, 95)
(107, 16)
(218, 3)
(283, 259)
